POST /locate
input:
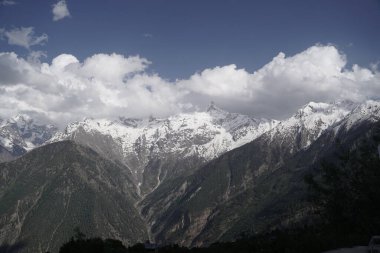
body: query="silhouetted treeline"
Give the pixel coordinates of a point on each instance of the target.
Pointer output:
(80, 244)
(308, 239)
(12, 248)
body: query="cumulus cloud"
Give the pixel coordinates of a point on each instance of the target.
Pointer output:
(60, 10)
(101, 86)
(113, 85)
(7, 2)
(284, 84)
(23, 37)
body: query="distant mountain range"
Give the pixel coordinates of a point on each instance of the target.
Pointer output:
(191, 179)
(20, 134)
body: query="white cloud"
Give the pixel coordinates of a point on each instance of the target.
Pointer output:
(60, 10)
(7, 2)
(284, 84)
(100, 86)
(114, 66)
(112, 85)
(23, 37)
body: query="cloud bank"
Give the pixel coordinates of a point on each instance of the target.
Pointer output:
(284, 84)
(23, 37)
(113, 85)
(60, 10)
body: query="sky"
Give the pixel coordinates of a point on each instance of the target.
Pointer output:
(63, 60)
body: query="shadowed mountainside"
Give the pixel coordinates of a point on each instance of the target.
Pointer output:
(52, 189)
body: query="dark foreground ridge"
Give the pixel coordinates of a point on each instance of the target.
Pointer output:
(12, 248)
(308, 239)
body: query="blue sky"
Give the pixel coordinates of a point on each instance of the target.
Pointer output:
(62, 60)
(181, 37)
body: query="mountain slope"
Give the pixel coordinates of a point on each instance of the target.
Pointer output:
(253, 186)
(5, 155)
(156, 150)
(53, 189)
(177, 179)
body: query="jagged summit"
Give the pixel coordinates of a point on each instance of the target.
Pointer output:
(369, 107)
(21, 118)
(309, 122)
(367, 111)
(21, 133)
(232, 129)
(324, 108)
(315, 114)
(213, 108)
(204, 134)
(312, 107)
(24, 122)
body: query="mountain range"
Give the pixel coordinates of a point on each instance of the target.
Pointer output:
(192, 179)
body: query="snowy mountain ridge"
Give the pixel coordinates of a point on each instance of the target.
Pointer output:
(206, 134)
(156, 149)
(310, 121)
(21, 133)
(163, 165)
(367, 111)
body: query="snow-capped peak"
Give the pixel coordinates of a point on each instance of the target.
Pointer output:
(369, 107)
(212, 108)
(216, 131)
(367, 111)
(21, 118)
(332, 109)
(309, 122)
(21, 132)
(204, 135)
(319, 115)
